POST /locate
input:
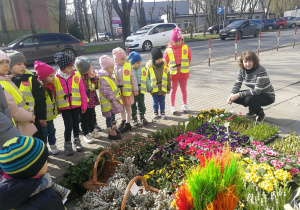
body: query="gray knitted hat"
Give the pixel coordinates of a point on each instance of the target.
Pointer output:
(15, 57)
(82, 65)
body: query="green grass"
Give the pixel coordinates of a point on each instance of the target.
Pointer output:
(187, 38)
(102, 47)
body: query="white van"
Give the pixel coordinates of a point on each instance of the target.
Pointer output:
(154, 35)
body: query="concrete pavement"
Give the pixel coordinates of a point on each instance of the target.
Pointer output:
(209, 86)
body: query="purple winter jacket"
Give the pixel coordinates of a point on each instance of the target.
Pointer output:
(105, 89)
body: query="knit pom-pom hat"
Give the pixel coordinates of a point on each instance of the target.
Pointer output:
(105, 62)
(118, 54)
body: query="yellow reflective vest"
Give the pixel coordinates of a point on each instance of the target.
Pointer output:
(51, 107)
(127, 87)
(73, 93)
(26, 89)
(105, 103)
(17, 95)
(143, 81)
(184, 60)
(154, 83)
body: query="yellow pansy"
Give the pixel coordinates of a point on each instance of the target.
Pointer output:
(173, 164)
(181, 158)
(168, 175)
(182, 165)
(146, 176)
(151, 173)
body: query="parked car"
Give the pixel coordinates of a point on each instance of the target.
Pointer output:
(269, 24)
(241, 28)
(42, 47)
(291, 21)
(215, 28)
(280, 23)
(103, 37)
(298, 21)
(260, 23)
(153, 35)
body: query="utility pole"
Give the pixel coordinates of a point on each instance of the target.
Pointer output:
(224, 19)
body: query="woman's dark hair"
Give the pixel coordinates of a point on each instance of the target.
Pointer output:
(248, 56)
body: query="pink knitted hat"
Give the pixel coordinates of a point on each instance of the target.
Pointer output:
(105, 62)
(176, 35)
(118, 53)
(4, 56)
(42, 70)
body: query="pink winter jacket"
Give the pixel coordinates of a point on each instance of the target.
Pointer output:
(177, 51)
(105, 89)
(119, 76)
(20, 115)
(67, 86)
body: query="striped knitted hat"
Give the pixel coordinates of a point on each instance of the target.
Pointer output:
(23, 157)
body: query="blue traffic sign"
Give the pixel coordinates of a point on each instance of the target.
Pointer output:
(220, 10)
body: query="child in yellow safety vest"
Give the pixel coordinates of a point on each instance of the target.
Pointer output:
(111, 103)
(31, 89)
(160, 82)
(178, 57)
(144, 86)
(90, 81)
(20, 110)
(70, 98)
(127, 83)
(46, 77)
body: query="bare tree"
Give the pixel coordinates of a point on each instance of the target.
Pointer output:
(195, 9)
(124, 15)
(86, 20)
(103, 16)
(95, 17)
(140, 13)
(266, 8)
(252, 5)
(32, 24)
(109, 7)
(62, 16)
(78, 14)
(152, 10)
(3, 23)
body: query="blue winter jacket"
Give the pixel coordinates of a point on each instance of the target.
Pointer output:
(15, 194)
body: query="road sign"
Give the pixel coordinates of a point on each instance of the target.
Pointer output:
(220, 10)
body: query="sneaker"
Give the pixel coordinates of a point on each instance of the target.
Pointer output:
(261, 116)
(125, 128)
(163, 116)
(54, 149)
(88, 138)
(97, 128)
(144, 121)
(95, 134)
(68, 148)
(122, 124)
(173, 110)
(155, 117)
(80, 132)
(184, 108)
(135, 121)
(78, 146)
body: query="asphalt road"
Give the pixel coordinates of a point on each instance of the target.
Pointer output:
(220, 49)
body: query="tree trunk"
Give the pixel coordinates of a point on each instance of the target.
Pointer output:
(152, 10)
(62, 16)
(124, 15)
(104, 19)
(95, 18)
(86, 20)
(3, 24)
(109, 7)
(32, 25)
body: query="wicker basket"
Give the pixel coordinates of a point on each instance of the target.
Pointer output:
(145, 187)
(107, 171)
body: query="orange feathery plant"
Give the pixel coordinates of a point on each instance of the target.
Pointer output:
(225, 201)
(223, 158)
(183, 198)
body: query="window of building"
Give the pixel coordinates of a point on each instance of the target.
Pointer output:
(188, 23)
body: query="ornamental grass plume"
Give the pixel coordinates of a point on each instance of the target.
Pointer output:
(215, 185)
